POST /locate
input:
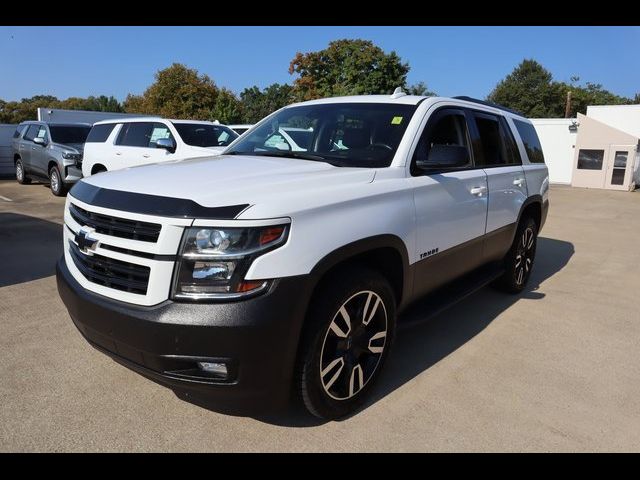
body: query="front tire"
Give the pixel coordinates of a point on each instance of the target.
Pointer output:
(55, 182)
(347, 336)
(519, 260)
(21, 175)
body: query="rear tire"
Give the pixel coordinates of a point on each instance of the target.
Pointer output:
(21, 175)
(347, 336)
(55, 182)
(519, 260)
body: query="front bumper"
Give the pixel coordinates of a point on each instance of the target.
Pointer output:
(72, 173)
(257, 337)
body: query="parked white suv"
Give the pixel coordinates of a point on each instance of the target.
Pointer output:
(267, 271)
(121, 143)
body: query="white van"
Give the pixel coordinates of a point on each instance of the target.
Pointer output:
(121, 143)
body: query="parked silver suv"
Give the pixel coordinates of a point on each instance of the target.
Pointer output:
(51, 152)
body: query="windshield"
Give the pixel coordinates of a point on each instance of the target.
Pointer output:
(68, 134)
(203, 135)
(343, 134)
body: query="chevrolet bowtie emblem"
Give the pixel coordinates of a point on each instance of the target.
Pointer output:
(85, 242)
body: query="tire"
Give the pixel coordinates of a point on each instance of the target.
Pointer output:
(21, 175)
(519, 260)
(339, 361)
(55, 182)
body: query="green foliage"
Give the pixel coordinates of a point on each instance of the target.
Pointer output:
(531, 90)
(27, 108)
(258, 103)
(420, 88)
(181, 92)
(347, 67)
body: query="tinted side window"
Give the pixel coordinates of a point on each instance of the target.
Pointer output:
(530, 140)
(447, 127)
(19, 130)
(100, 133)
(142, 134)
(32, 132)
(496, 144)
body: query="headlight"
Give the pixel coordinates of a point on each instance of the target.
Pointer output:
(214, 261)
(71, 156)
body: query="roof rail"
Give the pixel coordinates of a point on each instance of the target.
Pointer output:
(488, 104)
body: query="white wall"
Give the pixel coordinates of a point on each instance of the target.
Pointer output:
(622, 117)
(558, 145)
(6, 152)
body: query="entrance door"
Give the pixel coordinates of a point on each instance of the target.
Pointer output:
(619, 167)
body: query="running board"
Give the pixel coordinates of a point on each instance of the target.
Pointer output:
(448, 295)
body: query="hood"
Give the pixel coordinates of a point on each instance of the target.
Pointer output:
(234, 179)
(78, 147)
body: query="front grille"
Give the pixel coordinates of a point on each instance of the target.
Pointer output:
(111, 273)
(114, 226)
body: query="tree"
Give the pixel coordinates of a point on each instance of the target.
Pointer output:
(228, 109)
(26, 109)
(529, 89)
(420, 88)
(181, 92)
(257, 103)
(347, 67)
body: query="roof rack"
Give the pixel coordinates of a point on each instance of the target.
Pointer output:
(488, 104)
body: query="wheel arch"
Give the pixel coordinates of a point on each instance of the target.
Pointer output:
(385, 253)
(97, 168)
(532, 206)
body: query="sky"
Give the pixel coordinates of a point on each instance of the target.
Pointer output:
(83, 61)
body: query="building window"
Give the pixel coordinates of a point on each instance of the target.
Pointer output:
(590, 159)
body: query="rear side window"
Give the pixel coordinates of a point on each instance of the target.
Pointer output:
(497, 144)
(142, 134)
(100, 133)
(530, 140)
(19, 130)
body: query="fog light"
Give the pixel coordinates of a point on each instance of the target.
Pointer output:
(217, 369)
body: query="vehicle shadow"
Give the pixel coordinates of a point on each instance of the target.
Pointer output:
(419, 347)
(29, 248)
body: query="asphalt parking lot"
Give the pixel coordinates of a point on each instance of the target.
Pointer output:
(556, 368)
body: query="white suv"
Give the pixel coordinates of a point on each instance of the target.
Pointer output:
(121, 143)
(267, 271)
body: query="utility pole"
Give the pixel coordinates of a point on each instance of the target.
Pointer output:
(567, 108)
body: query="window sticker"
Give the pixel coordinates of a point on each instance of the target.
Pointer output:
(396, 120)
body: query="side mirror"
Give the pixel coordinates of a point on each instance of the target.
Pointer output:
(39, 141)
(166, 143)
(445, 156)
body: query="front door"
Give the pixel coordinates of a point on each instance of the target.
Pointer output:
(451, 206)
(619, 167)
(39, 158)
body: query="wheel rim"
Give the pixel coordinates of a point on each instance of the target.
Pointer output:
(524, 256)
(353, 345)
(55, 181)
(19, 172)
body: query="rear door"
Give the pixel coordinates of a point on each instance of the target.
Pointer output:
(498, 155)
(450, 205)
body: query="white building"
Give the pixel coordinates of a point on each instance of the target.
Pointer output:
(597, 150)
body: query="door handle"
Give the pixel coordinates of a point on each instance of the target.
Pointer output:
(118, 153)
(518, 182)
(146, 155)
(478, 191)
